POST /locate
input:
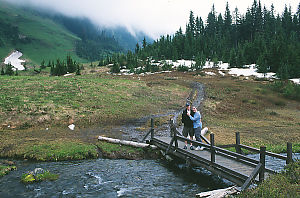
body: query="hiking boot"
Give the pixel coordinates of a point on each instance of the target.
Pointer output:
(185, 147)
(199, 148)
(191, 147)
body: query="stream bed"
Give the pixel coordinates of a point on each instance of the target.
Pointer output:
(110, 178)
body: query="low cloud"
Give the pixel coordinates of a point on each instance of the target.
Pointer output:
(153, 17)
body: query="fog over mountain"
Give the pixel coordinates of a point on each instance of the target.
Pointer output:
(153, 17)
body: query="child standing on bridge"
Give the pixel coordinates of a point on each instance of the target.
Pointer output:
(197, 126)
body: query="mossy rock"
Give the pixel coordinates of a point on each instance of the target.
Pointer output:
(6, 169)
(28, 178)
(33, 177)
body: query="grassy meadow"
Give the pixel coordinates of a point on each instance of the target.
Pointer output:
(29, 105)
(35, 111)
(262, 116)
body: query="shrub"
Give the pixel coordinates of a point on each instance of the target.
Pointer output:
(284, 184)
(287, 89)
(182, 68)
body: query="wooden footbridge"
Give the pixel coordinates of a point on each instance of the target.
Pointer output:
(233, 166)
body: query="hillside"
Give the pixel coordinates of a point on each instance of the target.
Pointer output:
(36, 37)
(44, 35)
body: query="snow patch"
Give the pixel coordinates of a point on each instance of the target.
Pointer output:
(210, 73)
(221, 73)
(296, 80)
(14, 60)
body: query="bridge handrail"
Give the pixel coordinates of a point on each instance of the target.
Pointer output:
(267, 152)
(218, 149)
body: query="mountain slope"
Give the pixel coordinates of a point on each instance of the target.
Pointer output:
(47, 35)
(36, 37)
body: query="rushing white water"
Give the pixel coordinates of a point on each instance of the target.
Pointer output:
(14, 60)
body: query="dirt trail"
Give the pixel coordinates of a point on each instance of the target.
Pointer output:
(131, 131)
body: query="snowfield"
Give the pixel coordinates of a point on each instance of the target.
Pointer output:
(14, 60)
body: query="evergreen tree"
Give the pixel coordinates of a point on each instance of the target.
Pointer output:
(115, 68)
(227, 19)
(78, 70)
(262, 66)
(9, 70)
(137, 48)
(144, 43)
(43, 66)
(2, 71)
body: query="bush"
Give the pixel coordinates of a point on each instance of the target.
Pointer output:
(182, 68)
(287, 89)
(284, 184)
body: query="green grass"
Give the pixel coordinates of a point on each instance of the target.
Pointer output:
(49, 40)
(32, 100)
(60, 151)
(118, 151)
(284, 184)
(110, 148)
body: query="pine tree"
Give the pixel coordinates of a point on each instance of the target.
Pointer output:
(115, 68)
(78, 70)
(144, 43)
(227, 19)
(9, 70)
(137, 48)
(2, 71)
(43, 66)
(262, 66)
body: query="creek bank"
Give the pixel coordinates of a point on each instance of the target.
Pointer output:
(118, 151)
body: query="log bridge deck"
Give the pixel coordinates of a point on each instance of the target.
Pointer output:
(233, 166)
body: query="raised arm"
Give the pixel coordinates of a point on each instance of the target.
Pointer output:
(196, 117)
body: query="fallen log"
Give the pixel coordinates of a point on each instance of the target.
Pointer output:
(125, 142)
(220, 193)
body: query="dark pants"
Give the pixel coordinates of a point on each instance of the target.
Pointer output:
(197, 134)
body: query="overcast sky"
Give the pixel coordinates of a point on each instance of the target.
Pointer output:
(154, 17)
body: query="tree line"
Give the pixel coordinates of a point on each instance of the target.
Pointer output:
(257, 37)
(60, 68)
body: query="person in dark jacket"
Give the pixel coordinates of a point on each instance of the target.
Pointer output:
(188, 128)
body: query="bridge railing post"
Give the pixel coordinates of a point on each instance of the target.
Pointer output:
(152, 128)
(238, 142)
(262, 160)
(212, 148)
(289, 152)
(175, 137)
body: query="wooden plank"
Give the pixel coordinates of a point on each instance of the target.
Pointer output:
(233, 167)
(226, 146)
(218, 169)
(251, 177)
